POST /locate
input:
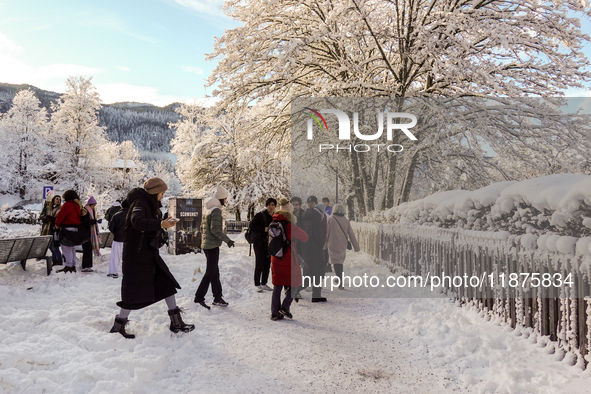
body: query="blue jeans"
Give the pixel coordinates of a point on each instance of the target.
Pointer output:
(56, 254)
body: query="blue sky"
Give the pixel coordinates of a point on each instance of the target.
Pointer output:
(147, 51)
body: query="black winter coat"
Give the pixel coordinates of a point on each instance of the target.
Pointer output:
(312, 251)
(111, 212)
(117, 224)
(257, 225)
(146, 277)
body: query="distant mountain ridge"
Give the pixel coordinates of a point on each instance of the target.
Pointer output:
(144, 124)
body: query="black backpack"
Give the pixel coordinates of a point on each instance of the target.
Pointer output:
(278, 241)
(250, 236)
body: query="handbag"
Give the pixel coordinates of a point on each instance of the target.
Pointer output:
(349, 246)
(159, 239)
(72, 235)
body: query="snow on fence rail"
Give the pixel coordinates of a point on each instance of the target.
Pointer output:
(564, 317)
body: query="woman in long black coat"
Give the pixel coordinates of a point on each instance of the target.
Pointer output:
(146, 277)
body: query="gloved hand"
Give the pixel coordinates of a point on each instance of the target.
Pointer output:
(99, 221)
(230, 243)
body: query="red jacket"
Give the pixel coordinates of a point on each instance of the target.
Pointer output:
(286, 270)
(69, 214)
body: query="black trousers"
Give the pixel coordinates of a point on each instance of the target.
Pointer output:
(317, 276)
(87, 254)
(212, 275)
(262, 265)
(276, 299)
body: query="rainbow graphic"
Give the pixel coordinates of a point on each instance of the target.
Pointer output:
(316, 119)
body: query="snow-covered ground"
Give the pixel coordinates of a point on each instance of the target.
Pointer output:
(54, 338)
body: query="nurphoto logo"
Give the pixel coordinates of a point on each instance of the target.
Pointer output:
(345, 124)
(345, 129)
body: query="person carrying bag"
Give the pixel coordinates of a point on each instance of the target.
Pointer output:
(69, 220)
(340, 238)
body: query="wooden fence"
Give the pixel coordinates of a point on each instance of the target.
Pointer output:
(563, 314)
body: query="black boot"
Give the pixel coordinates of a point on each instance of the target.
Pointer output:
(176, 322)
(119, 326)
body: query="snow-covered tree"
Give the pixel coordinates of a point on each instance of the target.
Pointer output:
(128, 170)
(165, 169)
(382, 48)
(223, 147)
(22, 132)
(82, 152)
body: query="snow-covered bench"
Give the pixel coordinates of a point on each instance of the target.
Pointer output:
(22, 249)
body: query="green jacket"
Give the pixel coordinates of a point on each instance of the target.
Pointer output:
(212, 234)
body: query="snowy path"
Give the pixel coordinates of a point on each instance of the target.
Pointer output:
(54, 338)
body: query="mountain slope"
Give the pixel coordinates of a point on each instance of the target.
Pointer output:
(144, 124)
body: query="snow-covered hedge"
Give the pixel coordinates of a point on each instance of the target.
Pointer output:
(555, 204)
(20, 216)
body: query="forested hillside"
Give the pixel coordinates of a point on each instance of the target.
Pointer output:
(145, 125)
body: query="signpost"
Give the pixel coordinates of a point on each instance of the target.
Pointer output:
(46, 190)
(185, 237)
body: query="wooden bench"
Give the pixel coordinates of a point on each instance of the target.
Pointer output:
(22, 249)
(106, 241)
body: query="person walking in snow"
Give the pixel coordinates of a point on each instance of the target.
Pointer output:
(146, 277)
(313, 249)
(338, 235)
(48, 214)
(322, 209)
(117, 227)
(298, 212)
(286, 271)
(260, 226)
(212, 237)
(90, 226)
(68, 223)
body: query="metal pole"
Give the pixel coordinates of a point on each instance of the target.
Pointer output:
(337, 199)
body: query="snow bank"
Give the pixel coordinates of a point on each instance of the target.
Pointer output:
(559, 204)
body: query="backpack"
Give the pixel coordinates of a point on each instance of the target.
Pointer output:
(250, 236)
(277, 238)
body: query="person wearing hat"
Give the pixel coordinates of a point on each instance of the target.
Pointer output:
(89, 221)
(113, 209)
(313, 254)
(286, 269)
(212, 237)
(146, 277)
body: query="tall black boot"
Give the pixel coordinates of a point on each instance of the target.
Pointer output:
(119, 326)
(176, 322)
